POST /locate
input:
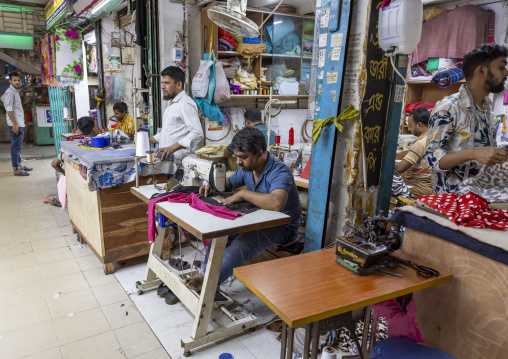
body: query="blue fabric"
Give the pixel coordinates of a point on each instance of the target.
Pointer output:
(16, 143)
(242, 247)
(211, 110)
(448, 78)
(251, 40)
(275, 176)
(394, 348)
(263, 129)
(428, 226)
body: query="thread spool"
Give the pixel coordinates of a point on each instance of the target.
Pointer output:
(277, 140)
(329, 353)
(291, 136)
(65, 113)
(150, 156)
(505, 98)
(142, 144)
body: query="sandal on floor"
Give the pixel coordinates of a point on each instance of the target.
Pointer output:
(48, 199)
(55, 202)
(177, 263)
(22, 173)
(28, 169)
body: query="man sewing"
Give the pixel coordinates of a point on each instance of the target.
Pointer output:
(126, 123)
(461, 138)
(253, 119)
(269, 185)
(181, 129)
(416, 177)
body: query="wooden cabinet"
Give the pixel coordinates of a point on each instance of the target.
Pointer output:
(290, 57)
(425, 91)
(112, 220)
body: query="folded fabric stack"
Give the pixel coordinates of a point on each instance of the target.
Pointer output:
(251, 40)
(230, 66)
(448, 78)
(245, 80)
(428, 105)
(226, 41)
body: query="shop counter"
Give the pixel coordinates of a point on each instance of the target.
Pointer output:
(468, 318)
(101, 207)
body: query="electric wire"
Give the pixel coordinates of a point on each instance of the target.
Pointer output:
(396, 70)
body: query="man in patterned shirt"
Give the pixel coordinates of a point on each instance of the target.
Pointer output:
(461, 141)
(125, 122)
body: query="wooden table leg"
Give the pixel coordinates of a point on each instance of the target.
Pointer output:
(291, 338)
(283, 341)
(315, 340)
(306, 346)
(109, 268)
(204, 310)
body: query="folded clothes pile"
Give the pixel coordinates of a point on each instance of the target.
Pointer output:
(448, 78)
(226, 41)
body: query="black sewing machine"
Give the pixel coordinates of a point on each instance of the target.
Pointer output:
(368, 248)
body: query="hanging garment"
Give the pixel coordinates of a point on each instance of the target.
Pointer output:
(468, 210)
(449, 35)
(69, 55)
(193, 201)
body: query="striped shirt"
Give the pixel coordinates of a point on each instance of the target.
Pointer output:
(417, 177)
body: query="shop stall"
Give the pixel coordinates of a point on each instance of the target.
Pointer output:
(101, 208)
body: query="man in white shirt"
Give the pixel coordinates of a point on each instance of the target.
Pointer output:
(16, 122)
(181, 129)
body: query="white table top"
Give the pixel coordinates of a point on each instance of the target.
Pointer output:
(204, 225)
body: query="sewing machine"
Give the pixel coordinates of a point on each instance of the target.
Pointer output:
(368, 248)
(197, 171)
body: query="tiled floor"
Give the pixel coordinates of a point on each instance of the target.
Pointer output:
(29, 150)
(55, 301)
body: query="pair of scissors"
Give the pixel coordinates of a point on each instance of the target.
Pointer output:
(422, 271)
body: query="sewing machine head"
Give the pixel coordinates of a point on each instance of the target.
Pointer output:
(369, 246)
(197, 170)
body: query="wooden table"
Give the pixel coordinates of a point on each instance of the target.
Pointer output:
(111, 220)
(311, 287)
(301, 182)
(203, 226)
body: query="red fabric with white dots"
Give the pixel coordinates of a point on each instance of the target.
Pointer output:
(468, 210)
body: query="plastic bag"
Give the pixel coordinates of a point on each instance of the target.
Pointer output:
(222, 92)
(201, 79)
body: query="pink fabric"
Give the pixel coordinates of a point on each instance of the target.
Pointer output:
(61, 187)
(401, 324)
(492, 27)
(450, 35)
(193, 201)
(468, 210)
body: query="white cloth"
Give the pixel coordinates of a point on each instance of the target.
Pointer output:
(12, 102)
(181, 124)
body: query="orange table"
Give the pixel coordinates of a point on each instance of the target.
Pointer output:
(311, 287)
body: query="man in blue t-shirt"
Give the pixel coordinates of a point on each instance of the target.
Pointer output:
(253, 119)
(269, 185)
